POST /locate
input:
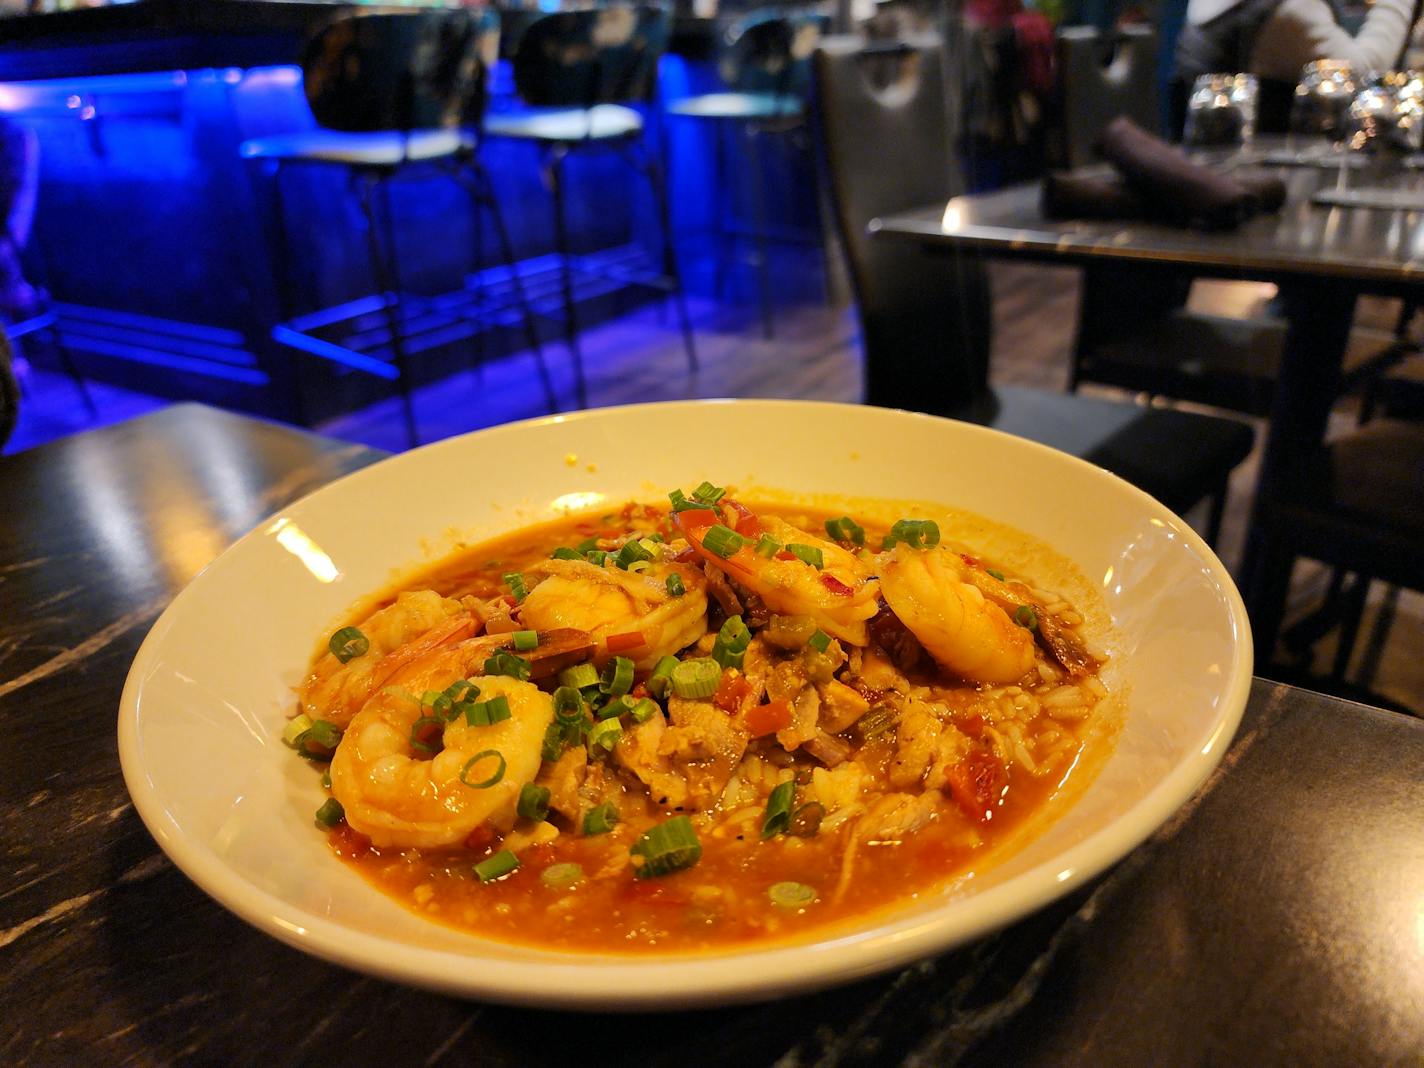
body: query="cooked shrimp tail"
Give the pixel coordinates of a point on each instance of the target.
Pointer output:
(1058, 641)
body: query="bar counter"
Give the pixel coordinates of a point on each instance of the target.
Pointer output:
(1276, 919)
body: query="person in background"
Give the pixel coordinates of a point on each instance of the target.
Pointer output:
(19, 178)
(1274, 39)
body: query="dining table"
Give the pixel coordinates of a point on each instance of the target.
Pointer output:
(1276, 918)
(1350, 225)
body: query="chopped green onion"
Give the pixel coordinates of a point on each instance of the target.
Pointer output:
(487, 713)
(497, 866)
(995, 574)
(331, 813)
(586, 546)
(661, 679)
(617, 676)
(675, 587)
(916, 533)
(806, 820)
(767, 546)
(644, 710)
(696, 678)
(600, 819)
(568, 702)
(296, 727)
(460, 689)
(554, 743)
(820, 641)
(596, 557)
(506, 663)
(525, 640)
(437, 702)
(326, 780)
(708, 493)
(846, 529)
(533, 801)
(563, 552)
(515, 581)
(579, 676)
(632, 552)
(319, 740)
(416, 729)
(1026, 617)
(615, 708)
(790, 895)
(731, 644)
(665, 848)
(348, 643)
(561, 876)
(778, 810)
(807, 554)
(402, 693)
(637, 567)
(493, 779)
(605, 735)
(722, 541)
(680, 503)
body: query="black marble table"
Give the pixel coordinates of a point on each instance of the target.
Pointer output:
(1277, 919)
(1321, 258)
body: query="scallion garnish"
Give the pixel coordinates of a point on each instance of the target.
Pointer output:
(604, 735)
(460, 690)
(668, 847)
(487, 713)
(615, 708)
(916, 533)
(680, 503)
(708, 493)
(586, 546)
(320, 740)
(506, 663)
(326, 780)
(696, 678)
(596, 557)
(568, 703)
(675, 587)
(994, 574)
(767, 546)
(497, 866)
(731, 644)
(643, 710)
(420, 730)
(348, 643)
(1026, 617)
(661, 679)
(820, 641)
(484, 784)
(617, 676)
(791, 895)
(437, 702)
(561, 876)
(579, 676)
(778, 810)
(331, 813)
(515, 581)
(563, 552)
(722, 541)
(525, 640)
(632, 552)
(846, 529)
(298, 726)
(600, 819)
(554, 743)
(807, 554)
(533, 801)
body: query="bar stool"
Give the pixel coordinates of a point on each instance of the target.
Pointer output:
(579, 72)
(394, 95)
(765, 64)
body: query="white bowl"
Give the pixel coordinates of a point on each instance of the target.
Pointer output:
(209, 691)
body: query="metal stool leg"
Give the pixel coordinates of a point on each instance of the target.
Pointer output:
(388, 282)
(670, 267)
(555, 169)
(759, 206)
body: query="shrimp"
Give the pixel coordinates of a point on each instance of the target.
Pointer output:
(840, 596)
(335, 691)
(396, 797)
(607, 601)
(928, 590)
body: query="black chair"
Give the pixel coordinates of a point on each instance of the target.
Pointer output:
(925, 319)
(394, 95)
(765, 65)
(1357, 504)
(1101, 76)
(579, 72)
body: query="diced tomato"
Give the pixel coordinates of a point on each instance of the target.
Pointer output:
(731, 691)
(784, 555)
(348, 843)
(640, 690)
(621, 643)
(836, 586)
(977, 783)
(768, 718)
(971, 725)
(746, 523)
(684, 556)
(695, 520)
(482, 837)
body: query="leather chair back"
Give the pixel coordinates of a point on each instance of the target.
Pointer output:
(885, 127)
(579, 59)
(1101, 76)
(365, 73)
(768, 51)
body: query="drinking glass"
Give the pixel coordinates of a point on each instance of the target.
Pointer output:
(1321, 106)
(1221, 112)
(1387, 115)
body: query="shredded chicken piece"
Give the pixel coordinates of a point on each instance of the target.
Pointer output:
(916, 744)
(703, 746)
(639, 750)
(563, 778)
(841, 706)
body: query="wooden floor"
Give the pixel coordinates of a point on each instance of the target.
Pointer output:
(815, 354)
